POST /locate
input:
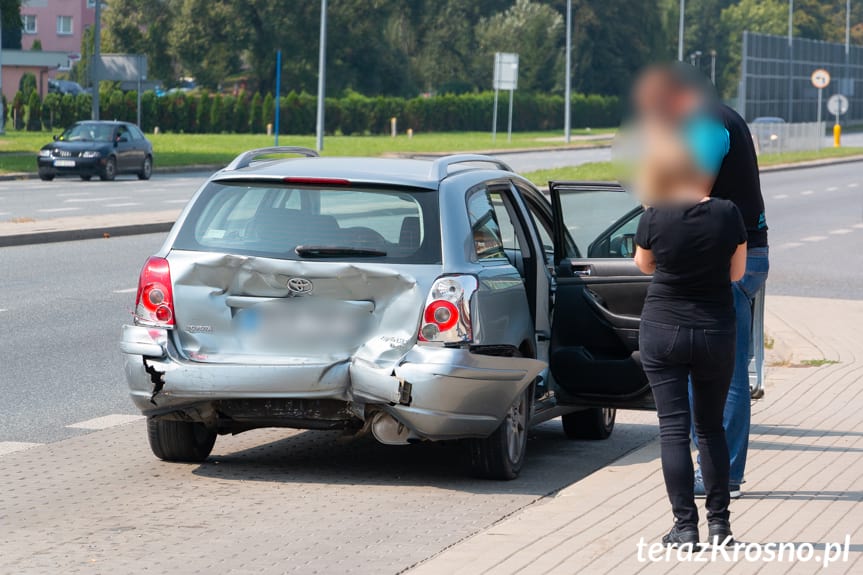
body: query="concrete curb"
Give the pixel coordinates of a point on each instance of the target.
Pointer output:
(75, 234)
(168, 170)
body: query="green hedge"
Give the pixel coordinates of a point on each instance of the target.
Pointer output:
(351, 114)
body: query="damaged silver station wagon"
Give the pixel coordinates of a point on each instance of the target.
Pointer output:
(418, 300)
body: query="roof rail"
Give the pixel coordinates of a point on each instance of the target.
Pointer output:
(440, 167)
(246, 158)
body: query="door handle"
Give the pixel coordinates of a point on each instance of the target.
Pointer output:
(582, 271)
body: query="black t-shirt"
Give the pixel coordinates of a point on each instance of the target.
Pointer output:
(692, 245)
(738, 179)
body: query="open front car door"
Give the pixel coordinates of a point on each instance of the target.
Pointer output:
(600, 293)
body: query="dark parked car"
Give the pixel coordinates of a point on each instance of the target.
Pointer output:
(64, 87)
(102, 149)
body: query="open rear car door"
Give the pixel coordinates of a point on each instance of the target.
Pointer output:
(600, 293)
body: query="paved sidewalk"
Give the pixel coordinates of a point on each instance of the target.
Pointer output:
(804, 483)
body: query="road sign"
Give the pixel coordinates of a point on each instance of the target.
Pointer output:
(505, 71)
(820, 78)
(837, 104)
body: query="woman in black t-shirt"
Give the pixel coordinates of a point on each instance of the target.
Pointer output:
(694, 246)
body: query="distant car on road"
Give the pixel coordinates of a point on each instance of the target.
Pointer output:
(64, 87)
(767, 132)
(103, 149)
(413, 300)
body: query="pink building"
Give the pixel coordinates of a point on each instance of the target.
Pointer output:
(57, 24)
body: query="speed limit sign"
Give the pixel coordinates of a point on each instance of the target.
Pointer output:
(820, 78)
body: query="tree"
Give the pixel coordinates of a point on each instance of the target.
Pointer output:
(36, 46)
(34, 112)
(216, 125)
(142, 27)
(269, 110)
(27, 84)
(532, 30)
(207, 39)
(256, 123)
(203, 112)
(11, 24)
(766, 16)
(81, 69)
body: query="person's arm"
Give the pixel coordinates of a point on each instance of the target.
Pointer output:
(738, 263)
(645, 261)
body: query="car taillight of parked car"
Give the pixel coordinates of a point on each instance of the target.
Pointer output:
(446, 317)
(155, 302)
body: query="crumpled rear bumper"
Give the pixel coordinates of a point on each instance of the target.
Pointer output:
(437, 392)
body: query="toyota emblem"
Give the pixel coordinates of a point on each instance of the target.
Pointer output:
(300, 286)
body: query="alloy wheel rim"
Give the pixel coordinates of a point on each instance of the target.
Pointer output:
(516, 428)
(607, 416)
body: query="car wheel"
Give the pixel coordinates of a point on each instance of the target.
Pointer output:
(109, 172)
(86, 177)
(146, 169)
(46, 176)
(501, 455)
(179, 440)
(593, 423)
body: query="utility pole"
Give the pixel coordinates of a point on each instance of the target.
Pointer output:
(96, 58)
(790, 60)
(567, 123)
(680, 31)
(322, 73)
(3, 111)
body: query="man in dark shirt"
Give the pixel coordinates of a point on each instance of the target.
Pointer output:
(678, 92)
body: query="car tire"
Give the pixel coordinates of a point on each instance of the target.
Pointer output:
(109, 172)
(501, 454)
(592, 423)
(146, 169)
(184, 441)
(86, 177)
(46, 176)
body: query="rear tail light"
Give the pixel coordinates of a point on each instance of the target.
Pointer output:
(446, 318)
(155, 302)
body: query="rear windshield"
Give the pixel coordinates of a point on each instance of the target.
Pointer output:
(362, 224)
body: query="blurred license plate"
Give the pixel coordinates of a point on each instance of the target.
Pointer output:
(64, 163)
(294, 322)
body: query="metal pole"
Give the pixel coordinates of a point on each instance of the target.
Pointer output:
(567, 118)
(140, 86)
(818, 121)
(790, 60)
(847, 81)
(94, 60)
(713, 66)
(509, 124)
(322, 73)
(278, 93)
(494, 117)
(680, 31)
(3, 112)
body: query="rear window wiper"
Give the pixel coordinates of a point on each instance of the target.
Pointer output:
(337, 251)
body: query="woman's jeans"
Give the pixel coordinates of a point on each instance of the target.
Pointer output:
(738, 406)
(671, 355)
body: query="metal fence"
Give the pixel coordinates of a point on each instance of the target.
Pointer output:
(779, 137)
(775, 78)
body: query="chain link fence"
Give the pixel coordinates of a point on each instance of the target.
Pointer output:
(775, 78)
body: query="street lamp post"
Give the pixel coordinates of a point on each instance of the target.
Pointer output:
(790, 60)
(713, 66)
(680, 31)
(322, 73)
(567, 132)
(2, 109)
(95, 59)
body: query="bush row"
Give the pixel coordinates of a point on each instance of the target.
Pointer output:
(352, 114)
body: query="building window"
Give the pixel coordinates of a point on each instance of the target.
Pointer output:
(91, 3)
(64, 25)
(28, 23)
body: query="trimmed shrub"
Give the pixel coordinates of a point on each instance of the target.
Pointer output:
(216, 125)
(240, 120)
(268, 114)
(34, 112)
(51, 110)
(256, 122)
(202, 113)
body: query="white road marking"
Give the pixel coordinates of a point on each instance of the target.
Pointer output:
(814, 239)
(841, 231)
(780, 196)
(859, 226)
(52, 210)
(4, 213)
(71, 194)
(7, 447)
(853, 185)
(127, 290)
(97, 199)
(175, 201)
(832, 189)
(106, 421)
(122, 205)
(807, 193)
(3, 309)
(790, 245)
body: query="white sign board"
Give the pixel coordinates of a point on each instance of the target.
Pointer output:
(820, 78)
(123, 67)
(505, 71)
(837, 104)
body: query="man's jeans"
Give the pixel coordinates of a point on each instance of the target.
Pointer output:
(738, 405)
